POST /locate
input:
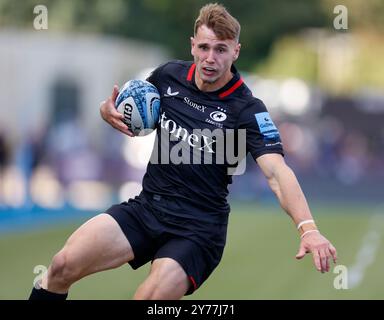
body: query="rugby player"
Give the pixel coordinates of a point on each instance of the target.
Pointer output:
(179, 220)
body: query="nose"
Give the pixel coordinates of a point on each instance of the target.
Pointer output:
(210, 56)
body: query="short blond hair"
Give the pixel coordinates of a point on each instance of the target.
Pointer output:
(216, 17)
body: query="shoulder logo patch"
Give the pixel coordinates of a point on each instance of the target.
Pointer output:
(266, 125)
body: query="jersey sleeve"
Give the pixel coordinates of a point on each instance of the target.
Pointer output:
(262, 136)
(155, 76)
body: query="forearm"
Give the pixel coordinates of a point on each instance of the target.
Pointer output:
(284, 184)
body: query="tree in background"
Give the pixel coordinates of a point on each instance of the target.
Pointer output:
(169, 22)
(273, 43)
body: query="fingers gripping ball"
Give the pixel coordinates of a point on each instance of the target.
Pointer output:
(139, 102)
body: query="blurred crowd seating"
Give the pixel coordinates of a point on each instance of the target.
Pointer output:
(338, 152)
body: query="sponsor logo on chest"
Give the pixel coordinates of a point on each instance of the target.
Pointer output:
(215, 117)
(198, 107)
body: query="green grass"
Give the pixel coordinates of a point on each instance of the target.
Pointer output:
(258, 262)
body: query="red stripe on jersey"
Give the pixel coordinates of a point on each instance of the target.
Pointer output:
(193, 282)
(231, 89)
(190, 72)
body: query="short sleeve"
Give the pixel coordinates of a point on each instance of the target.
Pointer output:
(261, 133)
(155, 76)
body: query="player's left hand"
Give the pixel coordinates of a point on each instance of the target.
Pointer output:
(321, 249)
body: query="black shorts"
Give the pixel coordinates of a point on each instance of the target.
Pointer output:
(196, 246)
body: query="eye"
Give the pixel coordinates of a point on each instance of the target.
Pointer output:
(221, 50)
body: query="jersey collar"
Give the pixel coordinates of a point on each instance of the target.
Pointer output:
(226, 90)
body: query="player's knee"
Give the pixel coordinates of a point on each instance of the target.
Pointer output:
(62, 269)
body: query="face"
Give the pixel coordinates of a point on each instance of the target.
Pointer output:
(213, 59)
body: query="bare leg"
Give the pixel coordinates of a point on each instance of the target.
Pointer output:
(99, 244)
(167, 281)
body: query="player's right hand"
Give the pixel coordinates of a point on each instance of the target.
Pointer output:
(109, 113)
(321, 249)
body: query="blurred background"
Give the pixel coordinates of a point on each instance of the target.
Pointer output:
(318, 67)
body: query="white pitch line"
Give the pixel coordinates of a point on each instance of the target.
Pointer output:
(367, 254)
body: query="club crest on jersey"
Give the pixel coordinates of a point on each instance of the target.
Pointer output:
(218, 116)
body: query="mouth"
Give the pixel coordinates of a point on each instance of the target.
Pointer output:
(208, 71)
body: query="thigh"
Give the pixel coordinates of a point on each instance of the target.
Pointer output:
(99, 244)
(167, 280)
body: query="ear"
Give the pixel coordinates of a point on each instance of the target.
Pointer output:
(237, 52)
(192, 44)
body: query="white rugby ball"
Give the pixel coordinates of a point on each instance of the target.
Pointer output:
(139, 102)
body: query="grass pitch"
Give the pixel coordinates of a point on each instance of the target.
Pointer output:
(258, 263)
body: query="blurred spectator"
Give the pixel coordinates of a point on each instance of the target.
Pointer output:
(4, 160)
(71, 154)
(4, 151)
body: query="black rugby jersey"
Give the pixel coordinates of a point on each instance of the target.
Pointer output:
(188, 117)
